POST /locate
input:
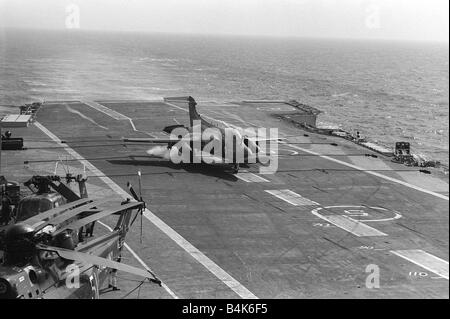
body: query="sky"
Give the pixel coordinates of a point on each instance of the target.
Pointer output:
(372, 19)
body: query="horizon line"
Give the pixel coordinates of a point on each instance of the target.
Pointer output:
(225, 34)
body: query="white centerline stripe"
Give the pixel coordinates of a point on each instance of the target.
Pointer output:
(352, 226)
(251, 178)
(169, 291)
(425, 260)
(226, 278)
(292, 197)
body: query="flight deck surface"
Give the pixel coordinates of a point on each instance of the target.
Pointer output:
(325, 225)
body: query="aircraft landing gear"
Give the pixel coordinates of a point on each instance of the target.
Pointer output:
(236, 168)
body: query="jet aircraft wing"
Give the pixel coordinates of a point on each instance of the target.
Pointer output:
(257, 140)
(146, 140)
(169, 140)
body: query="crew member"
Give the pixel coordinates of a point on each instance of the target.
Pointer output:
(113, 277)
(90, 229)
(5, 211)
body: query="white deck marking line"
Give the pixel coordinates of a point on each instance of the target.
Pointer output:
(132, 124)
(251, 178)
(425, 260)
(221, 274)
(292, 197)
(351, 225)
(347, 164)
(169, 291)
(371, 173)
(115, 115)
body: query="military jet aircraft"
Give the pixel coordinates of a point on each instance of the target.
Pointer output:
(211, 142)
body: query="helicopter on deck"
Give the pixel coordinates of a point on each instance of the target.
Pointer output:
(47, 192)
(44, 252)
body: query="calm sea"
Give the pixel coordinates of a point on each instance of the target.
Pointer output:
(389, 91)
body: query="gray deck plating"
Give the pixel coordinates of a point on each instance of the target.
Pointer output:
(315, 229)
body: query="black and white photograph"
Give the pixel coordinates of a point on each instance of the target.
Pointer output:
(220, 155)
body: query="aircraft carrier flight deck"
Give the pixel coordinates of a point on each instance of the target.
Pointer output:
(332, 222)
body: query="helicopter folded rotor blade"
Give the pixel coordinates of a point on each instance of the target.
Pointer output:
(92, 218)
(98, 261)
(55, 211)
(70, 214)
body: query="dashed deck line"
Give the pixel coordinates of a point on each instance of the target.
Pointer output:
(251, 178)
(352, 226)
(292, 197)
(425, 260)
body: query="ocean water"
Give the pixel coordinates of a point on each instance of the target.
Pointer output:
(389, 91)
